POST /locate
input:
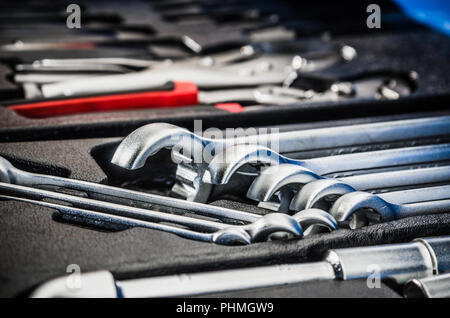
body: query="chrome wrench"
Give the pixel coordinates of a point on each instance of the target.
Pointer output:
(221, 233)
(295, 173)
(134, 150)
(10, 174)
(258, 224)
(330, 189)
(360, 207)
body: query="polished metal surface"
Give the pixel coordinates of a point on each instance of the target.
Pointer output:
(428, 287)
(260, 228)
(216, 232)
(395, 262)
(217, 71)
(292, 172)
(331, 189)
(358, 205)
(147, 140)
(222, 154)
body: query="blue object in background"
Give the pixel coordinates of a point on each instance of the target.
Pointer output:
(435, 13)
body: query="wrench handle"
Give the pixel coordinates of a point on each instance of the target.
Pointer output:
(422, 208)
(378, 159)
(182, 94)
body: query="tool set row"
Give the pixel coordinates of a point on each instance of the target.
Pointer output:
(299, 184)
(256, 62)
(320, 137)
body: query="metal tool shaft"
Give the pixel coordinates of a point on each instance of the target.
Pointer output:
(145, 141)
(429, 287)
(118, 220)
(399, 262)
(258, 228)
(330, 189)
(10, 174)
(273, 178)
(436, 200)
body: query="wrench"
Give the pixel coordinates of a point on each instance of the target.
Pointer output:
(372, 86)
(400, 263)
(147, 140)
(330, 189)
(311, 59)
(10, 174)
(220, 237)
(221, 233)
(267, 69)
(360, 207)
(296, 173)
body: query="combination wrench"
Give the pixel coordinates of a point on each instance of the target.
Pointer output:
(93, 217)
(283, 171)
(361, 207)
(285, 175)
(220, 233)
(195, 152)
(258, 225)
(329, 189)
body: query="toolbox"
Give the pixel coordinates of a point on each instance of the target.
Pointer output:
(95, 98)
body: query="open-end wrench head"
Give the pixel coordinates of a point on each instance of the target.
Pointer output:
(147, 140)
(232, 236)
(318, 190)
(273, 178)
(309, 217)
(346, 206)
(223, 166)
(272, 223)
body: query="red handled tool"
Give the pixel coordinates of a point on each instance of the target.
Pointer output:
(179, 94)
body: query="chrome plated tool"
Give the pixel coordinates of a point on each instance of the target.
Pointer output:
(400, 263)
(284, 179)
(243, 68)
(360, 207)
(257, 226)
(331, 189)
(198, 229)
(195, 152)
(430, 287)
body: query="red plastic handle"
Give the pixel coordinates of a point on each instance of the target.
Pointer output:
(183, 94)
